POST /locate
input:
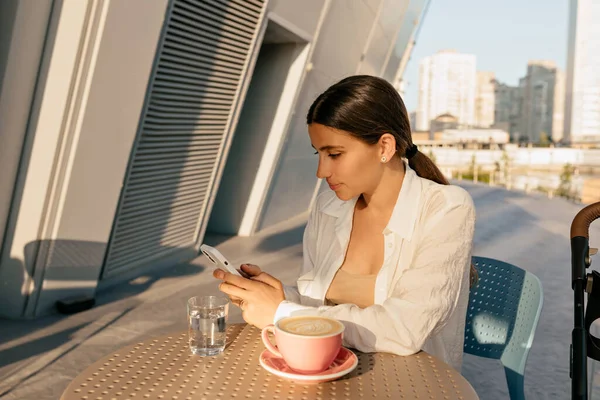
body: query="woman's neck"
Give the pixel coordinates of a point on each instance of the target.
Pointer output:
(382, 199)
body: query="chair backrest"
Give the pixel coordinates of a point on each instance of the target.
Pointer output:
(504, 309)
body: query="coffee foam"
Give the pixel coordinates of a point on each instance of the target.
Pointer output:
(310, 326)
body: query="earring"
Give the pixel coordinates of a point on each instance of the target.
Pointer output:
(383, 159)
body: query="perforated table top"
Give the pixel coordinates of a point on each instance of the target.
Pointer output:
(164, 368)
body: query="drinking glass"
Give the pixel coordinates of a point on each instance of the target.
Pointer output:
(207, 324)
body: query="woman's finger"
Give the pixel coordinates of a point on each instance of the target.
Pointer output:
(233, 290)
(233, 279)
(243, 274)
(233, 299)
(251, 269)
(268, 279)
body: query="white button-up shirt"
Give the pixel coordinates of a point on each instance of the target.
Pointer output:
(422, 288)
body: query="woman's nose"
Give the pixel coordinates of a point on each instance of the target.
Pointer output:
(322, 172)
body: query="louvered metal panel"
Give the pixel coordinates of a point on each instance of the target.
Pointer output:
(204, 52)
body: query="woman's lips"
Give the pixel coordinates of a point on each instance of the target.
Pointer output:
(334, 187)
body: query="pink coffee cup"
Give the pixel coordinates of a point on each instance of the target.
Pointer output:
(307, 344)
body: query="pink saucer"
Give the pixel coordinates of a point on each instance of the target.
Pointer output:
(344, 363)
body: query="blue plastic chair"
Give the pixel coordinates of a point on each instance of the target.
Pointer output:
(504, 309)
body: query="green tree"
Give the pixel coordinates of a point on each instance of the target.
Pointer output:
(566, 180)
(474, 169)
(473, 164)
(544, 140)
(505, 165)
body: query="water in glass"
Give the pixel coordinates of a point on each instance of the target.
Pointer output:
(207, 325)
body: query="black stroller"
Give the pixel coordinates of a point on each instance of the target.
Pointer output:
(583, 344)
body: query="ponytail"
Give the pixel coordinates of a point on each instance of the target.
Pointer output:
(426, 168)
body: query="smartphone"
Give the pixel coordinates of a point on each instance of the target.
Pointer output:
(218, 259)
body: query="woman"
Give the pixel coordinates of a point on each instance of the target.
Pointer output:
(387, 250)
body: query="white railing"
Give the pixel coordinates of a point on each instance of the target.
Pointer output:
(519, 157)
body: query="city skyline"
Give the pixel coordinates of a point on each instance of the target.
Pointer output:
(450, 84)
(509, 35)
(556, 102)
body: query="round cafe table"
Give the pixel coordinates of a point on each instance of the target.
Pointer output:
(164, 368)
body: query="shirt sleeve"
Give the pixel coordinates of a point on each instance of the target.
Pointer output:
(423, 298)
(309, 241)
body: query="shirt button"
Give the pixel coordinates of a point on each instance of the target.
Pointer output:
(390, 245)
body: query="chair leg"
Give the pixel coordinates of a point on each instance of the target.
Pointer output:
(516, 384)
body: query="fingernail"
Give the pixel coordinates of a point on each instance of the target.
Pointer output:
(219, 273)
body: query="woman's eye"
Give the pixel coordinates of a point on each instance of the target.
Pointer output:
(330, 155)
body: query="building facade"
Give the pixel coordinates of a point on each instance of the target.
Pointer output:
(582, 104)
(441, 123)
(507, 108)
(558, 114)
(129, 129)
(447, 85)
(485, 101)
(537, 105)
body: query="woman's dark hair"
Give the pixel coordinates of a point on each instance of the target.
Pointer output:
(367, 107)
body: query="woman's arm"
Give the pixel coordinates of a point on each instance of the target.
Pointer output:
(423, 298)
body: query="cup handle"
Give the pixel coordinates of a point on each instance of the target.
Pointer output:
(265, 338)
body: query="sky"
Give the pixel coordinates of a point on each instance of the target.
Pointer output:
(503, 34)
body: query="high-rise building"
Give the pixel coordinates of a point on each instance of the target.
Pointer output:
(507, 108)
(447, 85)
(582, 103)
(558, 115)
(537, 106)
(485, 99)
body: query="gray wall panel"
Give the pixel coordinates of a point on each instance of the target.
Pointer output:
(340, 45)
(108, 130)
(23, 26)
(303, 14)
(250, 137)
(337, 53)
(411, 20)
(377, 52)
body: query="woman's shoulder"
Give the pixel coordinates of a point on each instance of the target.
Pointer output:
(438, 197)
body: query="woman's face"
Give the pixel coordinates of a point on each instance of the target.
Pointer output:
(350, 166)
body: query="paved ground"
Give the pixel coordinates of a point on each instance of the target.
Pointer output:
(39, 358)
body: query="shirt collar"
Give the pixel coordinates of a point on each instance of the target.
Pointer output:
(403, 219)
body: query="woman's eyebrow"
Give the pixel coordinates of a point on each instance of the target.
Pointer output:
(328, 147)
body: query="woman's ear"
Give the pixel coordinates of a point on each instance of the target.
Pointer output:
(387, 145)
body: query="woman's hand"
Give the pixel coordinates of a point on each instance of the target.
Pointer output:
(247, 271)
(258, 297)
